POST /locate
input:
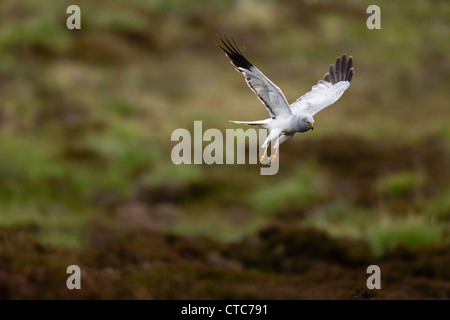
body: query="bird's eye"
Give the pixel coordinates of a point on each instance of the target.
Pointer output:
(308, 123)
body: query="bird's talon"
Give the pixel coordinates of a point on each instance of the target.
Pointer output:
(264, 155)
(262, 160)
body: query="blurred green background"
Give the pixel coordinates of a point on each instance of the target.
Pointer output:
(86, 176)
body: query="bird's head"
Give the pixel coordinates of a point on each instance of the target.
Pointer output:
(306, 123)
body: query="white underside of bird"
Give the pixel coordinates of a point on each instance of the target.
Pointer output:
(287, 119)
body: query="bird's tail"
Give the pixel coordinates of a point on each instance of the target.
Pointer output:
(259, 123)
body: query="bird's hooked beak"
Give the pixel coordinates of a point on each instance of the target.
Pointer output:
(312, 126)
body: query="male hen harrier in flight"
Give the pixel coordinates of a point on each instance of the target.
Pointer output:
(287, 119)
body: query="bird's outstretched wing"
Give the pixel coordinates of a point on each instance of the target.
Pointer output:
(326, 91)
(269, 94)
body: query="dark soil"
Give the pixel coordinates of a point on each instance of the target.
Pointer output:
(277, 263)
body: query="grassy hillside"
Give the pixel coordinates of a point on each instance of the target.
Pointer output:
(86, 176)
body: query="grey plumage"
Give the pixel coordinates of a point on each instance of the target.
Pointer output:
(287, 119)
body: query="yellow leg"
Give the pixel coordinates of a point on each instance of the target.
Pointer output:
(274, 157)
(264, 155)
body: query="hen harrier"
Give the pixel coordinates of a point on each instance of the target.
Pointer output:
(287, 119)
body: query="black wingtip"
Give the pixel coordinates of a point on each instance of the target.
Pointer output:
(233, 53)
(342, 71)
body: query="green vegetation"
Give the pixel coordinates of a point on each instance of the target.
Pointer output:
(299, 189)
(411, 231)
(398, 184)
(86, 177)
(381, 230)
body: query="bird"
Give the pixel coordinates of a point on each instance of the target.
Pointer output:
(288, 119)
